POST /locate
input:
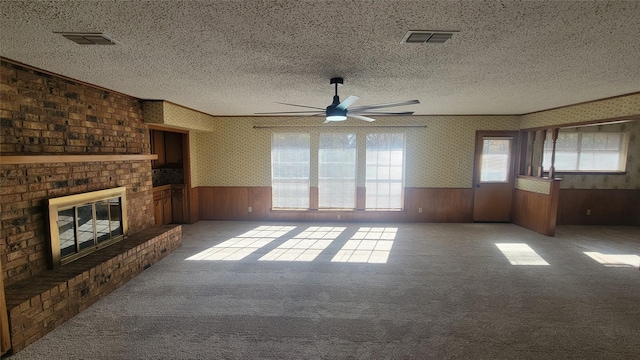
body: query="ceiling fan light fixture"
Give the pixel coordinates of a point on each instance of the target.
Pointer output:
(336, 118)
(334, 114)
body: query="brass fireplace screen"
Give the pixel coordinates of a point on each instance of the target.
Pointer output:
(83, 223)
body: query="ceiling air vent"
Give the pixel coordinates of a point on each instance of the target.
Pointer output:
(426, 37)
(88, 38)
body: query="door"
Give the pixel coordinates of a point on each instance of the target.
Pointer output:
(493, 175)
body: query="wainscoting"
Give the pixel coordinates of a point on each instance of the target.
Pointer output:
(233, 203)
(606, 207)
(536, 209)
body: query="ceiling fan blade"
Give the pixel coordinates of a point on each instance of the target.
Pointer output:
(382, 112)
(289, 112)
(348, 101)
(380, 106)
(360, 117)
(304, 106)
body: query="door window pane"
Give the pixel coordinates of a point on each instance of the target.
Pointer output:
(494, 162)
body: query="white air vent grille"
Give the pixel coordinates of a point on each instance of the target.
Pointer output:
(88, 38)
(426, 37)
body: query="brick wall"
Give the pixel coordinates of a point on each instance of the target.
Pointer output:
(44, 301)
(45, 114)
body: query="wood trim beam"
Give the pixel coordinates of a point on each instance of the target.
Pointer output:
(43, 159)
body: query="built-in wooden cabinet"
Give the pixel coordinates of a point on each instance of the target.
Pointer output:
(162, 205)
(168, 146)
(170, 175)
(178, 204)
(157, 147)
(169, 204)
(173, 147)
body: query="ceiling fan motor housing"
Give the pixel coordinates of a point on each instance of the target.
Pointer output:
(336, 114)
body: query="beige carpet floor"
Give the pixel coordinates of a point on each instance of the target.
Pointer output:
(264, 290)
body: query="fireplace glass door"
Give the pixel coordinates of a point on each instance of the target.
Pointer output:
(83, 226)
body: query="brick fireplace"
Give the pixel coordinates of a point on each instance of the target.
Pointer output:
(61, 137)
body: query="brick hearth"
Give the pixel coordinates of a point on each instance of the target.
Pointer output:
(41, 303)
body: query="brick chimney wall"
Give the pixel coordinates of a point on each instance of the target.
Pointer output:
(46, 114)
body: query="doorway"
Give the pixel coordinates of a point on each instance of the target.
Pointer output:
(494, 175)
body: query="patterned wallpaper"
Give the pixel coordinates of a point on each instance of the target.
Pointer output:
(229, 151)
(440, 155)
(153, 112)
(630, 180)
(531, 185)
(598, 110)
(178, 116)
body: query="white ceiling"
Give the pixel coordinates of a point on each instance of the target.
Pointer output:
(239, 57)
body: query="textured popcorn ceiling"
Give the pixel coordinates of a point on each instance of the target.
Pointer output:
(239, 57)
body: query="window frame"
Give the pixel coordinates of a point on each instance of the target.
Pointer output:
(360, 174)
(623, 151)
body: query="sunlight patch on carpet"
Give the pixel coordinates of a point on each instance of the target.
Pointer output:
(615, 260)
(305, 246)
(368, 245)
(521, 254)
(241, 246)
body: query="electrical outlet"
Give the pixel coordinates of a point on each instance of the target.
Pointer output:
(250, 209)
(588, 211)
(338, 216)
(419, 210)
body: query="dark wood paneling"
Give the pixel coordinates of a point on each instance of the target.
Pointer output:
(439, 204)
(259, 198)
(193, 203)
(232, 203)
(607, 206)
(530, 210)
(535, 211)
(205, 202)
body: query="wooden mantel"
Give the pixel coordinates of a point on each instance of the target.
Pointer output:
(43, 159)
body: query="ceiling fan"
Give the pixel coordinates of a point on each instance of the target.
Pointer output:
(339, 111)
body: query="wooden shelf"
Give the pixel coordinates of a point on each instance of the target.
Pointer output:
(42, 159)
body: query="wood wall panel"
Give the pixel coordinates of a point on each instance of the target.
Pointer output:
(232, 203)
(194, 208)
(529, 210)
(535, 211)
(439, 204)
(608, 207)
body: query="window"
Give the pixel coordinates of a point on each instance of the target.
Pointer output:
(494, 163)
(385, 171)
(290, 171)
(337, 171)
(587, 151)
